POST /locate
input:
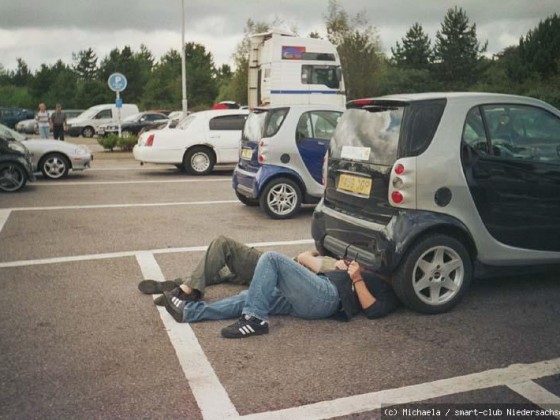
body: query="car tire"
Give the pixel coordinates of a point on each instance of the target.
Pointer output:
(12, 177)
(199, 160)
(281, 198)
(54, 166)
(88, 132)
(434, 274)
(250, 202)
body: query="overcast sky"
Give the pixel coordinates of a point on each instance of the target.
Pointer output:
(43, 31)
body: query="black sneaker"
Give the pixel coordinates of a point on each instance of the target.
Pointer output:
(174, 305)
(245, 327)
(154, 287)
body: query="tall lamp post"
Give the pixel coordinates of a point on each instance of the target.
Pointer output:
(183, 58)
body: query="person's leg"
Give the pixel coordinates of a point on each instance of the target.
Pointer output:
(44, 132)
(61, 133)
(225, 260)
(311, 296)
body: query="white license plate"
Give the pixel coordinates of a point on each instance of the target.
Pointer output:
(247, 153)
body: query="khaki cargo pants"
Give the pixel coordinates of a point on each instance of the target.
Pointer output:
(226, 260)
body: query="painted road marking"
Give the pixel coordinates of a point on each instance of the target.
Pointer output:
(117, 206)
(4, 214)
(165, 181)
(537, 394)
(211, 397)
(124, 254)
(509, 376)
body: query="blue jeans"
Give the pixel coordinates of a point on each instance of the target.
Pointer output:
(280, 286)
(44, 132)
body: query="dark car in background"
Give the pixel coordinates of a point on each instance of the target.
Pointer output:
(429, 187)
(133, 124)
(16, 167)
(10, 116)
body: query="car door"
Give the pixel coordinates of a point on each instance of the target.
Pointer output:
(225, 136)
(313, 133)
(512, 167)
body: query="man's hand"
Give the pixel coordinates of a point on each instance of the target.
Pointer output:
(340, 265)
(355, 272)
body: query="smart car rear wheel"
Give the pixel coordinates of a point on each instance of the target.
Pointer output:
(434, 275)
(54, 166)
(12, 177)
(281, 198)
(251, 202)
(199, 161)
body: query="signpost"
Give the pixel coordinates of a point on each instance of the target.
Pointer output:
(117, 83)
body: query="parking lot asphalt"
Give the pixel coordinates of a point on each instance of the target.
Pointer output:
(80, 341)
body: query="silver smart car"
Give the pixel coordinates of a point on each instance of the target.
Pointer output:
(426, 187)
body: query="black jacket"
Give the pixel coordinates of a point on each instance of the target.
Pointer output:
(385, 299)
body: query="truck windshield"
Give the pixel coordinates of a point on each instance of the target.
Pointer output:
(370, 134)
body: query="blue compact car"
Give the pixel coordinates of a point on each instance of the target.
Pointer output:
(281, 158)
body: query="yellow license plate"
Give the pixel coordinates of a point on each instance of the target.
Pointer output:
(355, 184)
(247, 153)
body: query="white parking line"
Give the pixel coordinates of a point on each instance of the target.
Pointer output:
(508, 376)
(124, 254)
(4, 214)
(118, 206)
(164, 181)
(537, 394)
(210, 395)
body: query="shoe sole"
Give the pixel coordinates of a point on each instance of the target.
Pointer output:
(228, 335)
(153, 287)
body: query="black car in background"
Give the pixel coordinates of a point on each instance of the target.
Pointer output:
(133, 124)
(15, 164)
(10, 116)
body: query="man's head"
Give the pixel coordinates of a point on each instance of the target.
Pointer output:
(58, 107)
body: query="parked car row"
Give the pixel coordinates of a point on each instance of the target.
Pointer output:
(21, 157)
(30, 126)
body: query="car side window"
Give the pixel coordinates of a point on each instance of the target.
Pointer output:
(324, 124)
(523, 133)
(473, 132)
(106, 113)
(228, 122)
(304, 129)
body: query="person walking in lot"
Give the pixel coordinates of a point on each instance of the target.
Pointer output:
(58, 121)
(225, 260)
(42, 119)
(282, 286)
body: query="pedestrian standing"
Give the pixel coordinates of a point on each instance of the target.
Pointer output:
(58, 120)
(42, 119)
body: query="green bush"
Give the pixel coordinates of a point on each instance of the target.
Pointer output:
(127, 143)
(124, 143)
(109, 142)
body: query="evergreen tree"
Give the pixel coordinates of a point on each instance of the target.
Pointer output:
(22, 75)
(163, 90)
(539, 50)
(85, 64)
(415, 50)
(202, 87)
(457, 52)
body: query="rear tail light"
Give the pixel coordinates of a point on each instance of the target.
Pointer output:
(402, 189)
(150, 140)
(261, 152)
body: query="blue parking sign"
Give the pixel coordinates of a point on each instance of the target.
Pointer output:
(117, 82)
(118, 103)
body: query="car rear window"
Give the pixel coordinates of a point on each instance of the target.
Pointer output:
(264, 123)
(368, 134)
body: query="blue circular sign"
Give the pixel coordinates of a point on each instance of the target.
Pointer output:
(117, 82)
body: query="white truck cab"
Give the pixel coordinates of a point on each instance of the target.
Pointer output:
(286, 69)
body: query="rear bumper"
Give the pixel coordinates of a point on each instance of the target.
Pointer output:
(380, 247)
(245, 182)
